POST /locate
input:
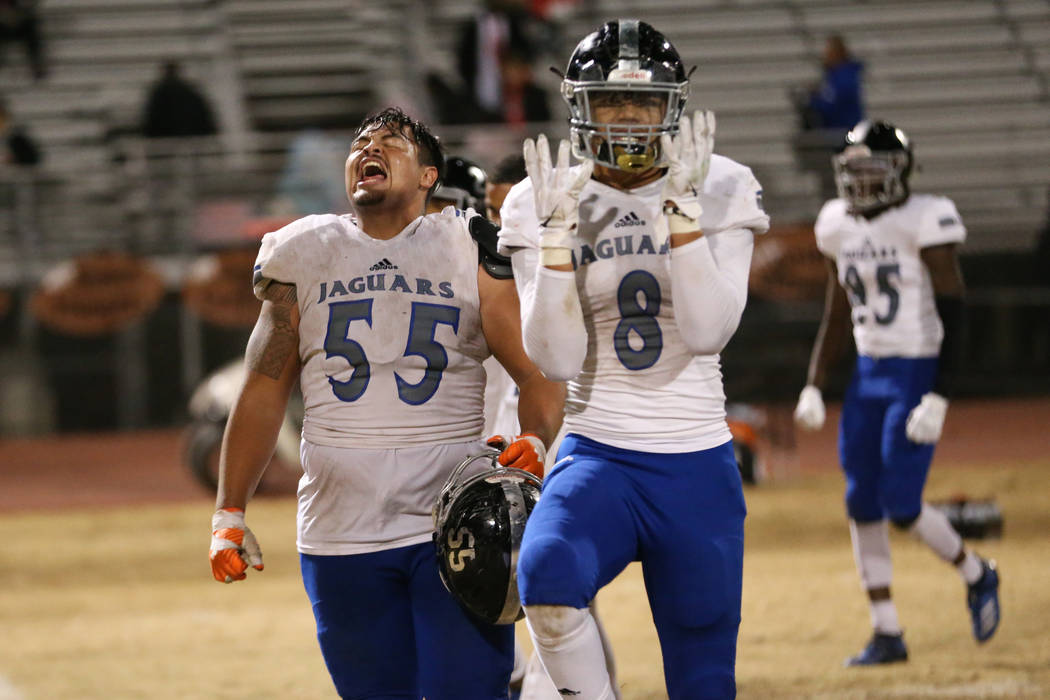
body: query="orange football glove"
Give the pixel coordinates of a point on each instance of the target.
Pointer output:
(233, 546)
(526, 451)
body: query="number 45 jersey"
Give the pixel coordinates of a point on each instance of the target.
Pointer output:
(880, 266)
(390, 333)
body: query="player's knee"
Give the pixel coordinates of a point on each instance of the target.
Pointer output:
(862, 506)
(550, 572)
(553, 626)
(904, 522)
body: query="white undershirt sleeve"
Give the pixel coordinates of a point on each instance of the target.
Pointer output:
(709, 288)
(551, 318)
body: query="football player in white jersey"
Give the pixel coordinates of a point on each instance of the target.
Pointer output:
(501, 400)
(893, 269)
(385, 317)
(631, 283)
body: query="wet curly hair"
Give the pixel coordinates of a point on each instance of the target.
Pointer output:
(431, 152)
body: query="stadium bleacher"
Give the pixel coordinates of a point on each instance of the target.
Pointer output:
(968, 80)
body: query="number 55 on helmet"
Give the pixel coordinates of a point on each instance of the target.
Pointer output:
(478, 524)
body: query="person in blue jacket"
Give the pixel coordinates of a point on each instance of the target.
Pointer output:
(837, 103)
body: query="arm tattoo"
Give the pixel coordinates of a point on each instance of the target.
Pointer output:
(280, 293)
(275, 338)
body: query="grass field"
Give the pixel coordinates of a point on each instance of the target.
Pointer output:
(119, 603)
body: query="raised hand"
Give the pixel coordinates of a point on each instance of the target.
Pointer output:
(556, 194)
(688, 158)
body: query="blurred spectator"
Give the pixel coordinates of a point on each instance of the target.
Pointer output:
(18, 22)
(484, 41)
(312, 179)
(523, 100)
(19, 147)
(828, 110)
(837, 103)
(175, 107)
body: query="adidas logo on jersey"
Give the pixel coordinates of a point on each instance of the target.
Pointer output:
(629, 220)
(383, 264)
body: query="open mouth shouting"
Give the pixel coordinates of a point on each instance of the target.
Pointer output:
(372, 171)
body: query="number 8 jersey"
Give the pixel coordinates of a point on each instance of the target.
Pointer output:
(390, 333)
(640, 387)
(880, 266)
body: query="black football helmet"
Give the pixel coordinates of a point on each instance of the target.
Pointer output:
(623, 59)
(463, 184)
(478, 524)
(873, 166)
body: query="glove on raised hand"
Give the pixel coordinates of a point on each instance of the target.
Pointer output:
(926, 421)
(233, 546)
(809, 413)
(556, 195)
(688, 158)
(526, 451)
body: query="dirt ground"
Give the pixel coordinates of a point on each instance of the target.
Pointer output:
(106, 591)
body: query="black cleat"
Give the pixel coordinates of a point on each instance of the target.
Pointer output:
(882, 649)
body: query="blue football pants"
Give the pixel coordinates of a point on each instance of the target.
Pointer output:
(389, 629)
(681, 515)
(885, 471)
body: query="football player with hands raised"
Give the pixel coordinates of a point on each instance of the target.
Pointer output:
(893, 272)
(632, 271)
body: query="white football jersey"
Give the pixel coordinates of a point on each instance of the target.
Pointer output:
(501, 401)
(880, 266)
(390, 335)
(640, 387)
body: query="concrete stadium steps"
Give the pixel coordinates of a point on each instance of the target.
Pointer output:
(717, 21)
(846, 16)
(977, 63)
(308, 63)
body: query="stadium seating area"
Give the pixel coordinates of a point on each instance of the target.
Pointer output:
(968, 79)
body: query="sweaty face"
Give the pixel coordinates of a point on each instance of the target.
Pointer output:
(383, 164)
(628, 107)
(630, 118)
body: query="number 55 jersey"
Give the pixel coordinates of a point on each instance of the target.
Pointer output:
(880, 266)
(390, 331)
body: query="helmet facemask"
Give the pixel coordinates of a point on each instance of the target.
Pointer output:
(871, 180)
(631, 147)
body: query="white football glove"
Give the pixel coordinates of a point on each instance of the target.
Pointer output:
(556, 194)
(688, 157)
(926, 420)
(810, 413)
(233, 546)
